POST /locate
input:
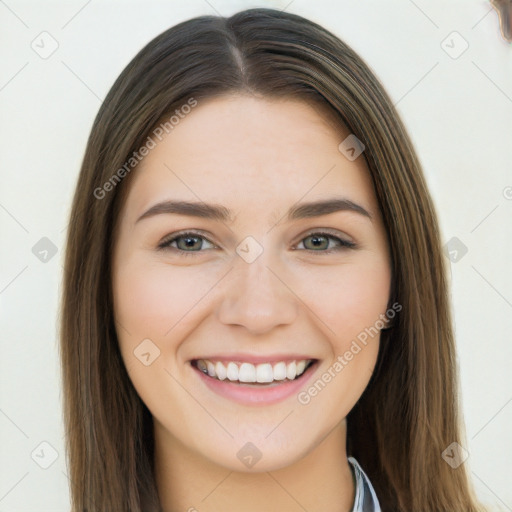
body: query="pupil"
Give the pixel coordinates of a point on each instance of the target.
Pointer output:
(317, 240)
(190, 241)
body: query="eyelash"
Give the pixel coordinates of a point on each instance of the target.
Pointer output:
(165, 244)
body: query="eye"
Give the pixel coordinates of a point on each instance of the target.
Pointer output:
(187, 243)
(191, 242)
(319, 241)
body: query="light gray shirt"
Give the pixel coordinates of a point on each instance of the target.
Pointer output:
(365, 499)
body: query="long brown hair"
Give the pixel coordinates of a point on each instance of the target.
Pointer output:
(409, 412)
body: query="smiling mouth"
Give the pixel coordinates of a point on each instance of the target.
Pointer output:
(263, 374)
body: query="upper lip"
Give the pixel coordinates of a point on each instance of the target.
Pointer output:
(255, 359)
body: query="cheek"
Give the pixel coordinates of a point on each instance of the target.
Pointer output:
(348, 298)
(152, 298)
(349, 302)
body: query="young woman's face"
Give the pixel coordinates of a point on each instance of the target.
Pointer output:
(249, 288)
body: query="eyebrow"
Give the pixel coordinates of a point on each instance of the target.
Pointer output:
(221, 213)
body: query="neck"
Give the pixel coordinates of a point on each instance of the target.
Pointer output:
(319, 481)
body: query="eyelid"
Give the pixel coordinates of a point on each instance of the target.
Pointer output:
(171, 237)
(327, 232)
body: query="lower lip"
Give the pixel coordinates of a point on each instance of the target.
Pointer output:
(256, 395)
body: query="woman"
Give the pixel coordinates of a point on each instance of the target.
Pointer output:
(255, 310)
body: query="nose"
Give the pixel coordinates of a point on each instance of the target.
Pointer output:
(257, 297)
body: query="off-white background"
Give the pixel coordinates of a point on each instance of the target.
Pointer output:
(458, 112)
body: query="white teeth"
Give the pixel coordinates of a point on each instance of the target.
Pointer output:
(301, 365)
(220, 370)
(280, 371)
(264, 373)
(247, 372)
(232, 371)
(291, 370)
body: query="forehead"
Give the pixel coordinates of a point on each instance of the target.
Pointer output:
(237, 150)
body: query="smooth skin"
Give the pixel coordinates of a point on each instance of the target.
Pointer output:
(256, 157)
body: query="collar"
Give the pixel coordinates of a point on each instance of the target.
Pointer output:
(365, 499)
